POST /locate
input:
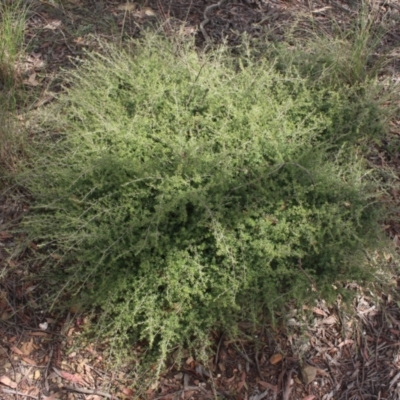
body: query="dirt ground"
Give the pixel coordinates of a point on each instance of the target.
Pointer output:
(319, 353)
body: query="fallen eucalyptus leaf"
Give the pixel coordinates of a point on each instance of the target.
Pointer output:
(276, 358)
(5, 380)
(149, 12)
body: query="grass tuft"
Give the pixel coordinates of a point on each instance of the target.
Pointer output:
(337, 53)
(12, 27)
(12, 137)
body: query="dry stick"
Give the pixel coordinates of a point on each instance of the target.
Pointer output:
(280, 379)
(123, 26)
(244, 355)
(256, 355)
(12, 366)
(258, 365)
(195, 80)
(181, 391)
(46, 370)
(261, 395)
(286, 392)
(62, 32)
(218, 348)
(304, 169)
(87, 391)
(308, 276)
(207, 20)
(16, 393)
(66, 42)
(166, 18)
(188, 11)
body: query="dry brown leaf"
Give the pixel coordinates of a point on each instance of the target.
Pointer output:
(127, 7)
(29, 361)
(27, 347)
(189, 30)
(5, 315)
(128, 391)
(5, 380)
(242, 382)
(91, 350)
(16, 350)
(53, 24)
(346, 342)
(75, 378)
(188, 394)
(329, 320)
(366, 355)
(321, 10)
(39, 334)
(318, 311)
(309, 397)
(53, 396)
(31, 81)
(267, 385)
(5, 235)
(149, 12)
(42, 101)
(32, 390)
(189, 360)
(276, 358)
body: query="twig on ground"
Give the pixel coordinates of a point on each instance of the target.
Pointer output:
(245, 356)
(207, 20)
(46, 370)
(258, 365)
(218, 349)
(313, 285)
(16, 393)
(288, 389)
(87, 391)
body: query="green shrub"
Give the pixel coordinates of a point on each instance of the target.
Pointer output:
(181, 192)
